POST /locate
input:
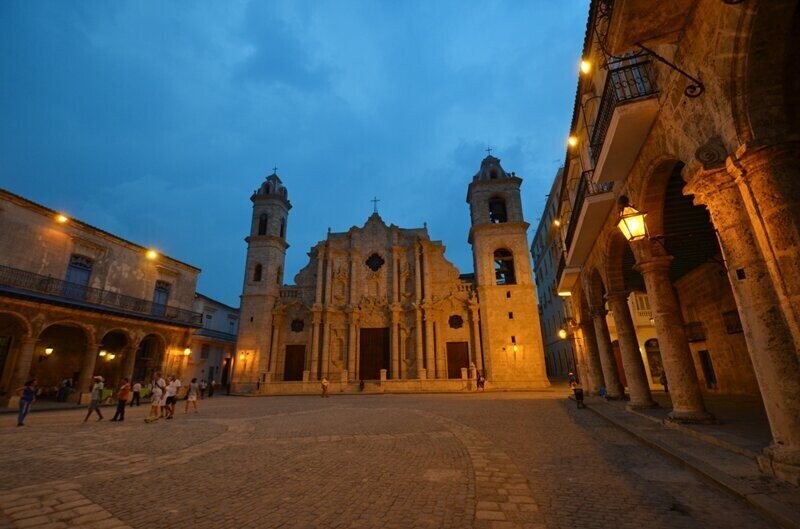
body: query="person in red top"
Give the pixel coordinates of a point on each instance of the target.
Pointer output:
(123, 394)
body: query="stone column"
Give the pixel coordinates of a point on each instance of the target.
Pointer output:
(315, 320)
(274, 351)
(629, 347)
(476, 336)
(768, 177)
(320, 262)
(351, 345)
(129, 361)
(418, 341)
(687, 400)
(87, 368)
(592, 354)
(772, 348)
(607, 360)
(395, 343)
(441, 348)
(22, 365)
(326, 346)
(430, 356)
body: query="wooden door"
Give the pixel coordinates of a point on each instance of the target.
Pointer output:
(295, 362)
(374, 353)
(457, 357)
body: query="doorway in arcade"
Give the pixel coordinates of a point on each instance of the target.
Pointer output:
(374, 353)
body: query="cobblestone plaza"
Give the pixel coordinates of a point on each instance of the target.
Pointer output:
(489, 460)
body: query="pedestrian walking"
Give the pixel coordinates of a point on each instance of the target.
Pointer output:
(324, 387)
(26, 394)
(191, 395)
(123, 393)
(156, 393)
(572, 379)
(137, 391)
(203, 386)
(170, 396)
(481, 381)
(211, 387)
(94, 402)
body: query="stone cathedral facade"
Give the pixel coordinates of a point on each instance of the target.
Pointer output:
(382, 305)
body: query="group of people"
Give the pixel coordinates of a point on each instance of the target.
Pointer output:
(164, 394)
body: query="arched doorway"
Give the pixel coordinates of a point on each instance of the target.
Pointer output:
(13, 329)
(58, 356)
(111, 357)
(149, 357)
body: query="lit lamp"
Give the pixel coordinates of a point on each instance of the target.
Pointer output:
(151, 254)
(556, 223)
(242, 355)
(111, 356)
(103, 352)
(562, 333)
(48, 351)
(631, 221)
(515, 348)
(61, 219)
(586, 66)
(187, 352)
(572, 141)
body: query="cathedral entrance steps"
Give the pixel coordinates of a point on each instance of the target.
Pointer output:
(386, 386)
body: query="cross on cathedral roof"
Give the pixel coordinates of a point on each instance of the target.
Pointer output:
(375, 204)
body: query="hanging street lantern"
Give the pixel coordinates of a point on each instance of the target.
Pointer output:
(631, 221)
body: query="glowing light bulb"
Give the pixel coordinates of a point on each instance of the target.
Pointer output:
(151, 254)
(586, 66)
(572, 141)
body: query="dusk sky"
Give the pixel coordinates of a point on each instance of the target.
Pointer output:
(156, 120)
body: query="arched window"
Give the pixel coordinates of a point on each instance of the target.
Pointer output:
(504, 267)
(262, 224)
(283, 228)
(497, 210)
(257, 272)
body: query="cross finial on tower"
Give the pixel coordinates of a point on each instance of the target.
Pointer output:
(375, 204)
(489, 150)
(275, 169)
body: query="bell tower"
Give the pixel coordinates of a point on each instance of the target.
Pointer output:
(511, 337)
(266, 254)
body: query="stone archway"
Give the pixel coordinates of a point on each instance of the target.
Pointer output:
(150, 355)
(15, 330)
(116, 344)
(72, 348)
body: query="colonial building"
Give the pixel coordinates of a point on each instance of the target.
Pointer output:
(688, 112)
(213, 344)
(381, 304)
(555, 311)
(76, 301)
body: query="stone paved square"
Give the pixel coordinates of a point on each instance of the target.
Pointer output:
(489, 460)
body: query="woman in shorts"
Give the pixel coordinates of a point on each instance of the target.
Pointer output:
(156, 393)
(191, 396)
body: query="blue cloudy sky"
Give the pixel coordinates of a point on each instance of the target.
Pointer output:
(156, 120)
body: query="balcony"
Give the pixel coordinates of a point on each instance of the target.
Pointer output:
(50, 289)
(592, 204)
(627, 111)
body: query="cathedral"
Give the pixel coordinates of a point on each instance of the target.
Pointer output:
(380, 307)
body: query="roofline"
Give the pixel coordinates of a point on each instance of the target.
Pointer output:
(199, 295)
(45, 209)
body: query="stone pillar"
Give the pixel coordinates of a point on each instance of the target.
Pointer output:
(441, 347)
(430, 357)
(418, 342)
(395, 343)
(318, 290)
(769, 181)
(326, 346)
(352, 329)
(129, 361)
(607, 360)
(476, 336)
(87, 368)
(631, 355)
(274, 351)
(772, 349)
(315, 320)
(687, 400)
(22, 365)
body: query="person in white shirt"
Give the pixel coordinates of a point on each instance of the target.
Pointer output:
(170, 396)
(137, 390)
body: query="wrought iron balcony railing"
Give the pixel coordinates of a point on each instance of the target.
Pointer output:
(627, 80)
(586, 188)
(76, 293)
